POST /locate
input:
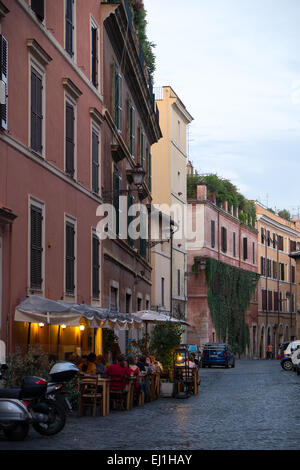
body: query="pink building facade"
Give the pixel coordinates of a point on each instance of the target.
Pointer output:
(219, 235)
(57, 143)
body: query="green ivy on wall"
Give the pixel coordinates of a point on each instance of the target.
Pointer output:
(229, 294)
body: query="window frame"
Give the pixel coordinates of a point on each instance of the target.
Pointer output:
(94, 25)
(68, 100)
(40, 205)
(71, 54)
(41, 71)
(95, 130)
(95, 238)
(68, 220)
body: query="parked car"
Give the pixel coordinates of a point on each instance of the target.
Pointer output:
(217, 354)
(283, 347)
(291, 348)
(291, 362)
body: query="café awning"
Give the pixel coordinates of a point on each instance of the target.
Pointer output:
(151, 316)
(36, 309)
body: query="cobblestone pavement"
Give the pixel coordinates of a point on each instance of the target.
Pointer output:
(253, 406)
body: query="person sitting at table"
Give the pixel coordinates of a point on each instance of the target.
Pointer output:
(115, 370)
(100, 364)
(91, 366)
(155, 364)
(188, 374)
(83, 364)
(143, 366)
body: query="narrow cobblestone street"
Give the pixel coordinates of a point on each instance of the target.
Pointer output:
(253, 406)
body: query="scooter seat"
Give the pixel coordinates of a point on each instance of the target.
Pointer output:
(10, 392)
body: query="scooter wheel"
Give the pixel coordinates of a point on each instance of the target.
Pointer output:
(57, 420)
(17, 432)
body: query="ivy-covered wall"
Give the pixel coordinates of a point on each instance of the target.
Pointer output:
(229, 294)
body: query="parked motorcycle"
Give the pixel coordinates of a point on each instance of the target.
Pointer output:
(36, 402)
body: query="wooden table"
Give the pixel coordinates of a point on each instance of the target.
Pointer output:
(105, 402)
(131, 385)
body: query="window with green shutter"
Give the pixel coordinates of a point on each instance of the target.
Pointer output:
(116, 194)
(36, 248)
(69, 26)
(117, 99)
(96, 266)
(70, 258)
(95, 161)
(130, 217)
(4, 79)
(70, 139)
(131, 131)
(36, 111)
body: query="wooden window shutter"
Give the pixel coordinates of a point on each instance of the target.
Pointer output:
(262, 235)
(70, 143)
(234, 244)
(36, 111)
(38, 7)
(4, 78)
(276, 301)
(293, 273)
(262, 265)
(95, 162)
(130, 202)
(149, 171)
(70, 258)
(264, 299)
(69, 27)
(94, 41)
(245, 248)
(212, 233)
(96, 266)
(116, 194)
(224, 239)
(36, 248)
(270, 300)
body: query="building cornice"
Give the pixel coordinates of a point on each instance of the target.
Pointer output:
(264, 219)
(181, 109)
(38, 52)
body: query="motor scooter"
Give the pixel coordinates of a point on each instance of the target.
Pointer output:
(46, 413)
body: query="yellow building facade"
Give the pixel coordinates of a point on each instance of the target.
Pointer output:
(169, 170)
(277, 293)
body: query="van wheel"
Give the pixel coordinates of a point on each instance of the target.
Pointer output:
(287, 365)
(17, 433)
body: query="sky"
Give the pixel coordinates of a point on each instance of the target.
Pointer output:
(235, 64)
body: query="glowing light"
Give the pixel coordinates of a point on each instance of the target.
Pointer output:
(41, 325)
(64, 326)
(82, 327)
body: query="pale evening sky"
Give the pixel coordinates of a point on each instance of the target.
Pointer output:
(235, 64)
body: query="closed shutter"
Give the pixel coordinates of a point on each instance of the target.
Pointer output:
(36, 111)
(36, 247)
(262, 235)
(96, 266)
(131, 131)
(245, 248)
(280, 242)
(4, 79)
(268, 237)
(234, 244)
(95, 162)
(224, 239)
(116, 193)
(212, 233)
(130, 218)
(276, 301)
(38, 7)
(262, 265)
(293, 273)
(94, 56)
(70, 144)
(70, 258)
(69, 27)
(270, 300)
(264, 299)
(274, 270)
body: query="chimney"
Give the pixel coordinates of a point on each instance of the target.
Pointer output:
(225, 206)
(213, 198)
(201, 191)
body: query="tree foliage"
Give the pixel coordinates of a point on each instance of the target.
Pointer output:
(224, 191)
(165, 337)
(285, 214)
(140, 23)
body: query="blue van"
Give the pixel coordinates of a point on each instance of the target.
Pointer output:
(217, 354)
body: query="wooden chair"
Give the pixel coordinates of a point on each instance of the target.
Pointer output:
(91, 395)
(120, 392)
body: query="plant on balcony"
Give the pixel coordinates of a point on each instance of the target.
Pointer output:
(140, 23)
(229, 294)
(224, 190)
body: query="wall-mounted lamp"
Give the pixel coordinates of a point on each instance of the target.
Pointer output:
(81, 327)
(41, 325)
(64, 326)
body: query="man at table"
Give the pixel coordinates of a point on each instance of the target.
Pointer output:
(117, 373)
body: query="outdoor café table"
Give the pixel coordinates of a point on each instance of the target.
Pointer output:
(141, 400)
(105, 404)
(104, 382)
(131, 385)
